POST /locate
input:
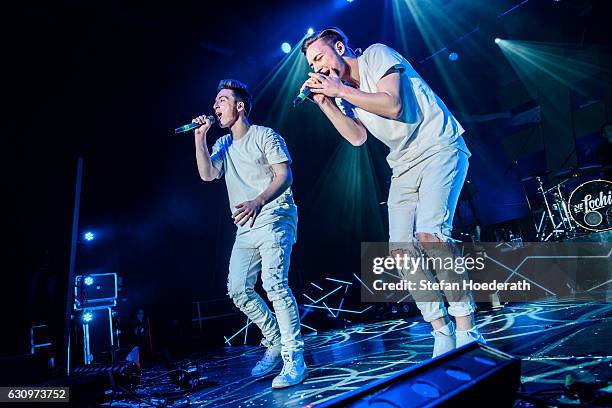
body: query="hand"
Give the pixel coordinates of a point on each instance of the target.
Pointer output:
(319, 99)
(247, 210)
(325, 85)
(200, 132)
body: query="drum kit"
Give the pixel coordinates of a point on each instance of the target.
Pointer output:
(569, 205)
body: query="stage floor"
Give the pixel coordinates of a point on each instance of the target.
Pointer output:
(553, 339)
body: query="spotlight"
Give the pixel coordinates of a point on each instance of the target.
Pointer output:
(497, 40)
(89, 236)
(310, 31)
(453, 56)
(349, 1)
(88, 280)
(286, 47)
(87, 317)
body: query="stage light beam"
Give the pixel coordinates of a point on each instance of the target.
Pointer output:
(310, 31)
(497, 40)
(286, 47)
(89, 236)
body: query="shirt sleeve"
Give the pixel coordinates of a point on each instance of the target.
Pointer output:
(217, 156)
(275, 148)
(381, 59)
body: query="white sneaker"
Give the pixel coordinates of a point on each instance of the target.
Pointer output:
(269, 361)
(444, 339)
(294, 370)
(468, 336)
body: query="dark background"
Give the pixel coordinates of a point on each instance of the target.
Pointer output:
(108, 81)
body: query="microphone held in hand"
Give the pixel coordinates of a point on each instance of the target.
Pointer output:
(191, 126)
(306, 93)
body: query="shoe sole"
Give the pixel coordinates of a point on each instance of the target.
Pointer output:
(291, 385)
(267, 372)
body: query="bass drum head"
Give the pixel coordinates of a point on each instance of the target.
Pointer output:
(590, 205)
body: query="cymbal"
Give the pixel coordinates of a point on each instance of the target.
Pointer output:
(534, 175)
(577, 171)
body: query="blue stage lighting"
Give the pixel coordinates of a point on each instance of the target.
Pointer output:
(88, 280)
(87, 317)
(286, 47)
(310, 31)
(349, 1)
(453, 56)
(497, 40)
(89, 236)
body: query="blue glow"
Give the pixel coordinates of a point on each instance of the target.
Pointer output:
(453, 56)
(88, 280)
(89, 236)
(497, 40)
(349, 1)
(339, 281)
(286, 47)
(310, 31)
(87, 317)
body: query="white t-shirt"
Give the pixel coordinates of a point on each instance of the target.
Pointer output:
(425, 127)
(247, 167)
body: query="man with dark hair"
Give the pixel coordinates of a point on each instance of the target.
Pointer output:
(256, 165)
(380, 92)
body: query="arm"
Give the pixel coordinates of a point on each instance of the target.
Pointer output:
(250, 209)
(386, 102)
(283, 178)
(349, 128)
(205, 167)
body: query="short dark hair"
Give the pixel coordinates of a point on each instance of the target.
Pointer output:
(240, 91)
(331, 35)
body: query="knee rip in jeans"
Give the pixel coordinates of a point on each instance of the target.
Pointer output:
(429, 242)
(275, 281)
(426, 237)
(280, 292)
(240, 297)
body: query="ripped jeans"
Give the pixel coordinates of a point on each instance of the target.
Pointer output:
(266, 249)
(422, 200)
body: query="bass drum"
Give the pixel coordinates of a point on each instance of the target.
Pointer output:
(590, 205)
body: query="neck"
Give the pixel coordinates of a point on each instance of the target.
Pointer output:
(240, 128)
(353, 71)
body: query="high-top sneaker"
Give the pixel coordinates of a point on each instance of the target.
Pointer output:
(294, 370)
(444, 339)
(269, 361)
(467, 336)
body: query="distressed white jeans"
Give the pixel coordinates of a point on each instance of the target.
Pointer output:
(423, 200)
(266, 249)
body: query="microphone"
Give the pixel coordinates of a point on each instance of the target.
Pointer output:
(306, 93)
(192, 125)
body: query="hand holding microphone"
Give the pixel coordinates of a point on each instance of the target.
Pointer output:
(199, 122)
(205, 123)
(307, 93)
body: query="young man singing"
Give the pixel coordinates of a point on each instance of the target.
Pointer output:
(381, 92)
(256, 165)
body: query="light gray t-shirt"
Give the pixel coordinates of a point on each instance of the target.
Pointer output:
(247, 167)
(425, 127)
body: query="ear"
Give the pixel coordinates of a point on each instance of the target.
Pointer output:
(340, 48)
(240, 106)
